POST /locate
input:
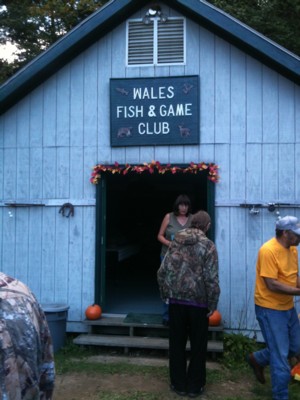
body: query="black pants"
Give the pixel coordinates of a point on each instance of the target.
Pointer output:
(188, 322)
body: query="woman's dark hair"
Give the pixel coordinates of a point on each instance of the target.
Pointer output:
(182, 199)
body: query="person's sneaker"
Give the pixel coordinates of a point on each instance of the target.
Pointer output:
(257, 369)
(196, 394)
(179, 392)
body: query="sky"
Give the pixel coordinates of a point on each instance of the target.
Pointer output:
(6, 51)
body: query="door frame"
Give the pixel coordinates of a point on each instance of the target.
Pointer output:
(100, 242)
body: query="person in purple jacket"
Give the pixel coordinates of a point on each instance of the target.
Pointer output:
(189, 279)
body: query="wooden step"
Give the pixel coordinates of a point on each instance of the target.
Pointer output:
(119, 321)
(114, 332)
(213, 346)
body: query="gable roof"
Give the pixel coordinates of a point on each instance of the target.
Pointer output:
(116, 11)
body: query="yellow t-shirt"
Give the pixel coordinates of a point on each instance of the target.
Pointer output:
(277, 262)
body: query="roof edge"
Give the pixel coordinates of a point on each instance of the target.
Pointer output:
(114, 12)
(64, 50)
(242, 36)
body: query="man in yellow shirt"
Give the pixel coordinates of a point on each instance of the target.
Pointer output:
(277, 282)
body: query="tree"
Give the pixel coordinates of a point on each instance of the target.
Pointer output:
(33, 25)
(276, 19)
(7, 69)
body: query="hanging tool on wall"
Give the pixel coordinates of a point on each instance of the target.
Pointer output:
(254, 208)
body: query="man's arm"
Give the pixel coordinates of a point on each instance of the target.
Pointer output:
(211, 278)
(279, 287)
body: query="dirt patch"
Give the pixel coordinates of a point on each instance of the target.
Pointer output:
(94, 386)
(79, 386)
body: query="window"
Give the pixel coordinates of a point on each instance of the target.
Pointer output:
(156, 43)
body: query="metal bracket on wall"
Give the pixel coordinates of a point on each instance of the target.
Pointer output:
(13, 204)
(271, 207)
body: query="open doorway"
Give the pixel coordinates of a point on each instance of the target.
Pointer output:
(135, 205)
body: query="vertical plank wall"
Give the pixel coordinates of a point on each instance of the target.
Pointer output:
(249, 126)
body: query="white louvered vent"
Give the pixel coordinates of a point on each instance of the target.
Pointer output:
(140, 43)
(170, 42)
(156, 43)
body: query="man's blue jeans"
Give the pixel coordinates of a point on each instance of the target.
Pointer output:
(281, 331)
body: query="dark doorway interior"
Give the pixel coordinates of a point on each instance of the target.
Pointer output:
(135, 207)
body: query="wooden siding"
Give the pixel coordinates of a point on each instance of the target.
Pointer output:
(249, 126)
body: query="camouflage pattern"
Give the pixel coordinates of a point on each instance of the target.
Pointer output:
(27, 363)
(189, 270)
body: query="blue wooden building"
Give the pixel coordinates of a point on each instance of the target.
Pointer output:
(176, 82)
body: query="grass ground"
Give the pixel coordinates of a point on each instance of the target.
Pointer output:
(94, 374)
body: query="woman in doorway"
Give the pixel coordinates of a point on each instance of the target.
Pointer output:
(173, 222)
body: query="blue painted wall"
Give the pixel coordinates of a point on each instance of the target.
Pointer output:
(249, 126)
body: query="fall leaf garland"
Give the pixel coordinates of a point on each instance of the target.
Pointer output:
(154, 166)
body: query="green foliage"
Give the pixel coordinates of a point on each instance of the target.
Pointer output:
(74, 358)
(89, 367)
(32, 26)
(263, 392)
(215, 375)
(129, 396)
(7, 69)
(294, 391)
(276, 19)
(236, 398)
(236, 347)
(81, 359)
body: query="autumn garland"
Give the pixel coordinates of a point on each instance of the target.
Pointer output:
(193, 168)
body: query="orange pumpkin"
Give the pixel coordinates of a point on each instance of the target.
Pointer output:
(295, 372)
(93, 311)
(215, 319)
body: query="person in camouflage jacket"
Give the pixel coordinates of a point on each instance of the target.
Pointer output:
(27, 369)
(189, 279)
